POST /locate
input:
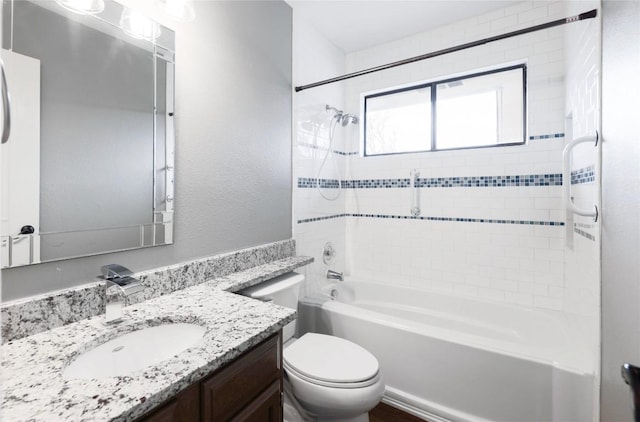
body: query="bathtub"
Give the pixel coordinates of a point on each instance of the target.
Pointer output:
(448, 358)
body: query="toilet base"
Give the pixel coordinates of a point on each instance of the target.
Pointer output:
(360, 418)
(292, 411)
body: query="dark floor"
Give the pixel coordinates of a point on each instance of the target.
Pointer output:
(386, 413)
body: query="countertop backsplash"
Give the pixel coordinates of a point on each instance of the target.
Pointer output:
(32, 315)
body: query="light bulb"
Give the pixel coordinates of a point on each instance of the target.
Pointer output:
(83, 7)
(137, 25)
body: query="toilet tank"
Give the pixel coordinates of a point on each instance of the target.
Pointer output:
(283, 290)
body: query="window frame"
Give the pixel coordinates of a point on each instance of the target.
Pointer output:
(433, 91)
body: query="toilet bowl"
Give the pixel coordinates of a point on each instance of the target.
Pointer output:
(329, 378)
(332, 378)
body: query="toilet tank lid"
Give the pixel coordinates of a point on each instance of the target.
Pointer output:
(268, 288)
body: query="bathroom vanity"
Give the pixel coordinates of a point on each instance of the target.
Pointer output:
(235, 370)
(249, 388)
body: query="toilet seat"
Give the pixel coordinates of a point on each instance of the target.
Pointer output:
(347, 385)
(331, 362)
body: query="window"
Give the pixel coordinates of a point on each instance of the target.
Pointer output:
(480, 110)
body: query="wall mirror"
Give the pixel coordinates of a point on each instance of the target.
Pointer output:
(88, 167)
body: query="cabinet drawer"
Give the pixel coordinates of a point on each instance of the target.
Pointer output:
(225, 393)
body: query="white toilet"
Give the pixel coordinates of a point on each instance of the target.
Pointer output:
(331, 378)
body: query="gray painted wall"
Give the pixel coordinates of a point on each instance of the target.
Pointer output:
(620, 203)
(233, 145)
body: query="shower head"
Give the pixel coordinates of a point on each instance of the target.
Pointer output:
(348, 118)
(341, 117)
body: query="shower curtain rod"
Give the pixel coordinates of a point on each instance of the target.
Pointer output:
(582, 16)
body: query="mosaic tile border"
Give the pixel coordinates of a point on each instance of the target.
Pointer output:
(551, 179)
(584, 234)
(329, 217)
(432, 218)
(583, 175)
(549, 136)
(375, 183)
(312, 182)
(577, 228)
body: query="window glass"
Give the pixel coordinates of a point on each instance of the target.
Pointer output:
(483, 109)
(480, 110)
(398, 122)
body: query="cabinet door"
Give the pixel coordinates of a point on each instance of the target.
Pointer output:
(267, 407)
(227, 392)
(184, 408)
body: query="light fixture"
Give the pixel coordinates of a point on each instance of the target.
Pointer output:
(182, 10)
(138, 26)
(83, 7)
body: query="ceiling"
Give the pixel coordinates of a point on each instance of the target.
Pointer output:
(354, 25)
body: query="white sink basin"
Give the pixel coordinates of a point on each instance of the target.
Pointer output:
(134, 351)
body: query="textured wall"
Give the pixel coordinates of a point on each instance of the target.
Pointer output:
(620, 203)
(233, 144)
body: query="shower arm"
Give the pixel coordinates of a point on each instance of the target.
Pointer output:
(566, 177)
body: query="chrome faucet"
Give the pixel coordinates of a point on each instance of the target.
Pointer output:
(120, 285)
(334, 275)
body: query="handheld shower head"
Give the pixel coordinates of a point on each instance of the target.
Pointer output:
(349, 118)
(341, 117)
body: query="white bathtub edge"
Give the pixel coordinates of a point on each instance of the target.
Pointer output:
(436, 413)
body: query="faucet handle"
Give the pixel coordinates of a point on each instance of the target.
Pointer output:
(113, 271)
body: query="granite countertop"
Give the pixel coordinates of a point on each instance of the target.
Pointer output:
(32, 384)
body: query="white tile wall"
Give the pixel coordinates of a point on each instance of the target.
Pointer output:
(518, 264)
(582, 255)
(315, 58)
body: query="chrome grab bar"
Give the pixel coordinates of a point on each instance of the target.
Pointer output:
(415, 192)
(566, 177)
(6, 106)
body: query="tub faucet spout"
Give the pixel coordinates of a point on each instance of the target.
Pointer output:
(334, 275)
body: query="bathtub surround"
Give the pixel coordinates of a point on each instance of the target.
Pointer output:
(33, 388)
(508, 197)
(493, 226)
(226, 271)
(582, 239)
(218, 204)
(315, 57)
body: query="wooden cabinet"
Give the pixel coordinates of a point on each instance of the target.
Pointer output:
(185, 407)
(247, 389)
